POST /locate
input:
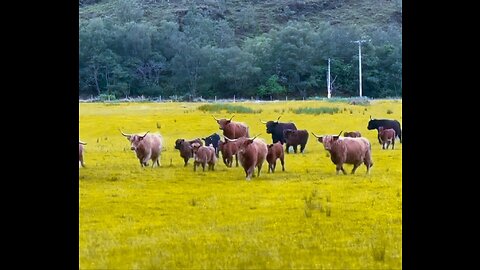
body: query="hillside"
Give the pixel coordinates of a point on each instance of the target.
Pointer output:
(253, 17)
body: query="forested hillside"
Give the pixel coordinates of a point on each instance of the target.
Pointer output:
(262, 49)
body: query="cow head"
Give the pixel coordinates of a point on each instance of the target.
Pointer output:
(327, 140)
(271, 125)
(372, 124)
(195, 147)
(380, 129)
(178, 143)
(223, 122)
(243, 143)
(135, 140)
(80, 142)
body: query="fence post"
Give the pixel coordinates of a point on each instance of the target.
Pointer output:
(233, 98)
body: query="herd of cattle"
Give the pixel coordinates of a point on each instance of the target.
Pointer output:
(352, 148)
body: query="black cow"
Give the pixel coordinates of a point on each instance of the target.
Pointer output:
(276, 129)
(213, 140)
(386, 124)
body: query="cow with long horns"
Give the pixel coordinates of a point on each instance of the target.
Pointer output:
(232, 130)
(252, 153)
(276, 129)
(229, 149)
(80, 153)
(347, 150)
(146, 147)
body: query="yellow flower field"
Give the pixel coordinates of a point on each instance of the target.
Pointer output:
(171, 217)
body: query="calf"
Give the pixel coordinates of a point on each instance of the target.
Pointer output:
(80, 153)
(386, 136)
(213, 140)
(352, 134)
(185, 148)
(229, 149)
(347, 150)
(295, 138)
(385, 123)
(252, 153)
(204, 155)
(275, 151)
(146, 147)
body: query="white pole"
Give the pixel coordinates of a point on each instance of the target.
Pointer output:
(329, 93)
(360, 66)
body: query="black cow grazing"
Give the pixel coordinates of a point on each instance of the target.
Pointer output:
(213, 140)
(276, 129)
(386, 124)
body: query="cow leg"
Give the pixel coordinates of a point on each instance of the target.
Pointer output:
(295, 148)
(269, 167)
(379, 141)
(340, 167)
(400, 135)
(393, 144)
(203, 166)
(302, 148)
(286, 147)
(355, 166)
(259, 168)
(249, 172)
(283, 163)
(274, 166)
(236, 160)
(81, 162)
(185, 160)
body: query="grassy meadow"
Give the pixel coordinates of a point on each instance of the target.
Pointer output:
(173, 218)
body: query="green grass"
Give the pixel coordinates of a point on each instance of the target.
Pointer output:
(171, 217)
(316, 111)
(228, 108)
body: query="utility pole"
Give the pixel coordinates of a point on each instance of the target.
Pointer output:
(329, 91)
(360, 63)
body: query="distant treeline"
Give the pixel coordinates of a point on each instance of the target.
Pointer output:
(124, 55)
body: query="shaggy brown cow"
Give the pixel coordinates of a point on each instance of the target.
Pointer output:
(232, 130)
(353, 134)
(295, 138)
(229, 149)
(185, 148)
(275, 151)
(347, 150)
(204, 155)
(252, 153)
(80, 153)
(146, 147)
(386, 136)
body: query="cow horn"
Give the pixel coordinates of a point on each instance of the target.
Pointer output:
(255, 136)
(264, 122)
(370, 117)
(228, 139)
(278, 119)
(316, 135)
(145, 134)
(82, 142)
(340, 133)
(231, 118)
(214, 117)
(126, 135)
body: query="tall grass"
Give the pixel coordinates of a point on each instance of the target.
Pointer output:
(316, 111)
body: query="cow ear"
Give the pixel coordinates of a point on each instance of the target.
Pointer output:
(335, 137)
(270, 145)
(320, 139)
(140, 138)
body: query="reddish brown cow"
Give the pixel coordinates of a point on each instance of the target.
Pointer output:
(80, 153)
(146, 147)
(232, 130)
(204, 155)
(294, 138)
(386, 136)
(185, 148)
(347, 150)
(352, 134)
(229, 149)
(252, 153)
(275, 151)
